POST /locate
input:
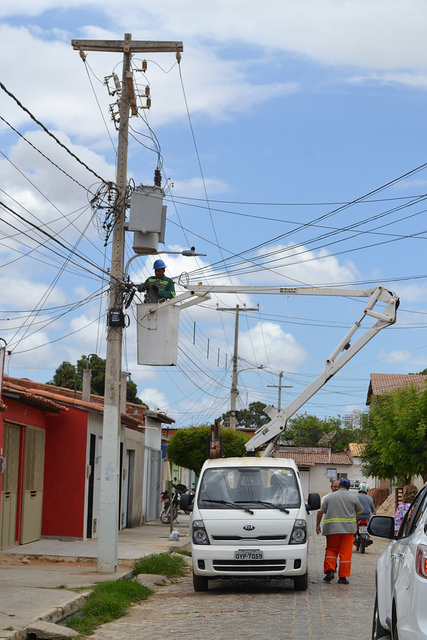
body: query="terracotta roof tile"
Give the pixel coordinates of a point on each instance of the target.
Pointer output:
(134, 416)
(387, 382)
(31, 399)
(309, 456)
(356, 448)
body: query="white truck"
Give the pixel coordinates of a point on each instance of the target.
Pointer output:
(249, 515)
(250, 519)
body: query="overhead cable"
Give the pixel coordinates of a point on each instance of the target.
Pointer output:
(46, 130)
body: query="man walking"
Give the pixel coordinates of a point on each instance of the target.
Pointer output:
(340, 510)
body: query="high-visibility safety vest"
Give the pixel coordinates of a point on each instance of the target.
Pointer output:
(166, 289)
(340, 510)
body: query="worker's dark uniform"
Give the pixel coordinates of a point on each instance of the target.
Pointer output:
(158, 289)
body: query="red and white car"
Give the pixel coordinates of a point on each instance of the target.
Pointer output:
(400, 611)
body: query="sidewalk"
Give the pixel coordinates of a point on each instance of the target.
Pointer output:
(36, 578)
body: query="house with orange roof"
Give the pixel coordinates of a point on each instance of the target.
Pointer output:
(319, 466)
(387, 382)
(381, 383)
(51, 447)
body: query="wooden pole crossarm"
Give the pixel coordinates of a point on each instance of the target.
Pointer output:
(133, 46)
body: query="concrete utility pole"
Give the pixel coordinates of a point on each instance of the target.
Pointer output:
(109, 498)
(234, 389)
(280, 386)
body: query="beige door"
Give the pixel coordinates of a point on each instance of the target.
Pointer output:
(32, 492)
(9, 487)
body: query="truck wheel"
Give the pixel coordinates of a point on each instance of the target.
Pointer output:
(200, 583)
(301, 582)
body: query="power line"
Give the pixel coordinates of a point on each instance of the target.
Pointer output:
(42, 154)
(53, 239)
(46, 130)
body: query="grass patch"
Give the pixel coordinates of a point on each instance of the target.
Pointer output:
(164, 564)
(108, 601)
(184, 552)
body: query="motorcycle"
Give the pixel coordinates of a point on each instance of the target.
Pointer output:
(186, 500)
(361, 537)
(177, 491)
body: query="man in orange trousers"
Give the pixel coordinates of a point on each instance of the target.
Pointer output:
(339, 526)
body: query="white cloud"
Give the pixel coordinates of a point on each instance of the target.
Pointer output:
(299, 266)
(399, 357)
(268, 344)
(197, 188)
(154, 398)
(19, 292)
(35, 352)
(395, 356)
(371, 34)
(411, 293)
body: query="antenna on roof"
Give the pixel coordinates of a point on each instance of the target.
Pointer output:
(327, 437)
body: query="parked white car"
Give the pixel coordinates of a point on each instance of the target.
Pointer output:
(400, 611)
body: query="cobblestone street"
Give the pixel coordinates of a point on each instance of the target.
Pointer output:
(259, 610)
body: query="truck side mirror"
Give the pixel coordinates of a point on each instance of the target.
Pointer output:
(313, 502)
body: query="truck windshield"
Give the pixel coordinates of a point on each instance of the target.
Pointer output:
(256, 487)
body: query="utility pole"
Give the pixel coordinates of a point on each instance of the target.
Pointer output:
(234, 389)
(109, 494)
(280, 386)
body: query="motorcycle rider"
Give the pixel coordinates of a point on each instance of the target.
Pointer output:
(367, 504)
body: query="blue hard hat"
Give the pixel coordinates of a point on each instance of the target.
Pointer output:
(344, 482)
(159, 264)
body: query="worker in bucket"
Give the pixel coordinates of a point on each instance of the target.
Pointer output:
(158, 288)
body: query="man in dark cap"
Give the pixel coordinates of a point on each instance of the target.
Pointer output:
(339, 510)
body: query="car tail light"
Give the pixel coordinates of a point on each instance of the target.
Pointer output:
(421, 560)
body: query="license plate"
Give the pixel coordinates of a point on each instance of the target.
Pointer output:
(248, 554)
(363, 529)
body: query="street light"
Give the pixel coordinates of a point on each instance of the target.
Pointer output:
(189, 253)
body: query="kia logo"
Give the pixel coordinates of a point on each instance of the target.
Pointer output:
(249, 527)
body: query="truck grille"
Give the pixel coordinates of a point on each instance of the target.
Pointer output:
(249, 565)
(280, 538)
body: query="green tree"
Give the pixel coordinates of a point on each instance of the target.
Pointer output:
(397, 435)
(305, 430)
(97, 367)
(66, 376)
(70, 377)
(251, 418)
(189, 448)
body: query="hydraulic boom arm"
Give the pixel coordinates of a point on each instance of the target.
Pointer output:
(270, 433)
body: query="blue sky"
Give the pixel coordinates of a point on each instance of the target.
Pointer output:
(278, 115)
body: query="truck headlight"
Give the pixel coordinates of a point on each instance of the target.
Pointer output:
(299, 532)
(199, 533)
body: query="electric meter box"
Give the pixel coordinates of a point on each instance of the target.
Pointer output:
(147, 213)
(157, 334)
